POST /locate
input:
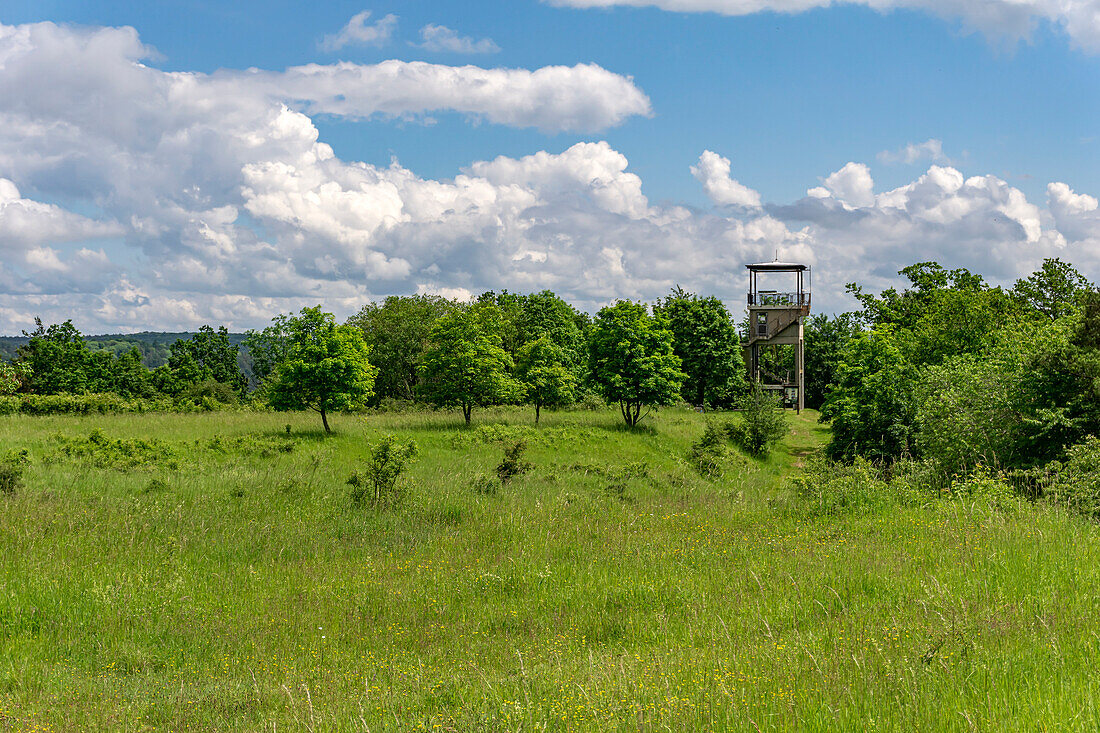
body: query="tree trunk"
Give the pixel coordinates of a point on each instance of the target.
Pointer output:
(324, 421)
(466, 413)
(537, 408)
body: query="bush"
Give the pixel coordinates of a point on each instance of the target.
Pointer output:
(208, 394)
(82, 404)
(1074, 483)
(830, 488)
(513, 464)
(392, 405)
(486, 484)
(708, 452)
(377, 484)
(11, 471)
(103, 452)
(762, 424)
(591, 402)
(984, 486)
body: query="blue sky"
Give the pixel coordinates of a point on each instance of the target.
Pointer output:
(787, 99)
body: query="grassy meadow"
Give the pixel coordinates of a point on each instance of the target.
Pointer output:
(212, 573)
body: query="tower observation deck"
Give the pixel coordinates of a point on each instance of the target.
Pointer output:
(775, 322)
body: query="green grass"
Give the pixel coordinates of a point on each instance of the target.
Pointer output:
(235, 586)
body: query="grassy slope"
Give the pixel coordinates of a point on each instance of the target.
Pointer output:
(242, 590)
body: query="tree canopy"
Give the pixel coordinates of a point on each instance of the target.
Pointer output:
(631, 360)
(543, 370)
(705, 338)
(326, 367)
(465, 364)
(397, 331)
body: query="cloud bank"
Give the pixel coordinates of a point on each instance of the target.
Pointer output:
(998, 19)
(133, 198)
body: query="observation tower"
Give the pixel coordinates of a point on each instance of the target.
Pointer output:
(775, 322)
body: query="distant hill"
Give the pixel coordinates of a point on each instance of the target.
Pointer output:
(153, 345)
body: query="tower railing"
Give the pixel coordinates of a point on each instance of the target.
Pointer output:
(793, 300)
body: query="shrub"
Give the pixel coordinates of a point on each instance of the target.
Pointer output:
(1074, 483)
(11, 470)
(82, 404)
(708, 452)
(103, 452)
(513, 464)
(485, 484)
(830, 488)
(377, 484)
(984, 486)
(11, 477)
(591, 402)
(761, 425)
(209, 395)
(619, 478)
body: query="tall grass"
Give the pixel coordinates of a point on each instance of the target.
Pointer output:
(611, 587)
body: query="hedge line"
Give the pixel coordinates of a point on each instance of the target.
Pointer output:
(92, 404)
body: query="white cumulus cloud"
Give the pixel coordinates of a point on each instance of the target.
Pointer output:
(216, 201)
(931, 149)
(358, 33)
(713, 171)
(583, 97)
(1000, 19)
(441, 39)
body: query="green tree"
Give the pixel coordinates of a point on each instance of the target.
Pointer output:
(397, 331)
(527, 318)
(705, 339)
(465, 364)
(944, 313)
(56, 359)
(326, 367)
(130, 378)
(545, 315)
(509, 309)
(267, 348)
(1059, 401)
(1023, 401)
(762, 423)
(825, 340)
(1054, 290)
(12, 377)
(543, 369)
(631, 360)
(967, 411)
(872, 405)
(206, 355)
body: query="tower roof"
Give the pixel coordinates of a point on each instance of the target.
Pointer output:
(777, 267)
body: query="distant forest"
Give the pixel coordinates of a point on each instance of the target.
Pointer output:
(153, 345)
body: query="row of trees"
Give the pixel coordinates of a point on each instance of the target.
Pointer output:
(503, 348)
(947, 368)
(508, 349)
(962, 374)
